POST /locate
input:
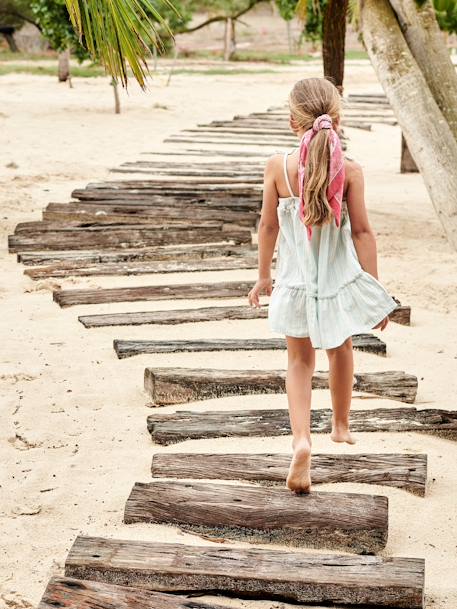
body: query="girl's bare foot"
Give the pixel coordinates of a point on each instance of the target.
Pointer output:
(342, 434)
(299, 478)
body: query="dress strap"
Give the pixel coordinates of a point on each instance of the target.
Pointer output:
(286, 175)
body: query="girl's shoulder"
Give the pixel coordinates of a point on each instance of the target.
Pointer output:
(352, 168)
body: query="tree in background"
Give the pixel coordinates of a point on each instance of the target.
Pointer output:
(415, 69)
(288, 10)
(13, 15)
(446, 14)
(52, 17)
(325, 21)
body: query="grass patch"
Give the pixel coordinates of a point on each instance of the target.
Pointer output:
(7, 55)
(221, 71)
(76, 71)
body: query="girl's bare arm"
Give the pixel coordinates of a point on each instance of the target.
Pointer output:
(362, 234)
(267, 233)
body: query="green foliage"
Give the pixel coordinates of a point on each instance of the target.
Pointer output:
(119, 33)
(314, 20)
(287, 9)
(54, 22)
(15, 12)
(173, 19)
(446, 14)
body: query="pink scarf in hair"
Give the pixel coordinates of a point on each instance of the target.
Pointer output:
(336, 176)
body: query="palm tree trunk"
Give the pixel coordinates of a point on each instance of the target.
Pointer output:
(63, 70)
(428, 46)
(333, 41)
(428, 135)
(117, 101)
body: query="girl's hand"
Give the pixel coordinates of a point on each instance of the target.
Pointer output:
(382, 324)
(262, 286)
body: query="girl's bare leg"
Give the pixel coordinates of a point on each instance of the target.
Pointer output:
(301, 362)
(341, 377)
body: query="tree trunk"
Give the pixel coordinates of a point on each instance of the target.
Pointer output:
(428, 46)
(333, 41)
(11, 42)
(428, 135)
(229, 39)
(232, 38)
(289, 37)
(117, 101)
(64, 65)
(227, 36)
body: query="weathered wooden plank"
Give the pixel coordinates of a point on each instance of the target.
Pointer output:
(129, 348)
(188, 251)
(175, 316)
(131, 198)
(271, 143)
(206, 152)
(401, 315)
(65, 269)
(198, 167)
(132, 236)
(405, 471)
(181, 316)
(180, 385)
(70, 593)
(250, 572)
(175, 189)
(102, 213)
(189, 425)
(245, 178)
(76, 226)
(254, 513)
(225, 289)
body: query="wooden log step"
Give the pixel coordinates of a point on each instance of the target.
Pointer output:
(129, 348)
(188, 425)
(169, 189)
(177, 316)
(70, 593)
(255, 175)
(215, 198)
(40, 226)
(259, 573)
(188, 251)
(405, 471)
(180, 385)
(66, 269)
(181, 316)
(196, 166)
(198, 181)
(150, 215)
(271, 143)
(206, 152)
(352, 521)
(101, 237)
(200, 211)
(223, 289)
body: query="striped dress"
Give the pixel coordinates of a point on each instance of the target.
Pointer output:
(320, 289)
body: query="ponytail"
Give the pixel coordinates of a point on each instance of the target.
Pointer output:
(317, 209)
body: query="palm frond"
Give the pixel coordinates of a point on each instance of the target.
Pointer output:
(119, 33)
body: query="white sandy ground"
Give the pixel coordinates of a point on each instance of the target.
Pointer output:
(73, 432)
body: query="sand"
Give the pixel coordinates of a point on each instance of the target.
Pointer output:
(73, 438)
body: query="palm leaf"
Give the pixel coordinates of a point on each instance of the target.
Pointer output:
(119, 33)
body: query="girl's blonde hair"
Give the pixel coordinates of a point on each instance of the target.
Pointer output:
(309, 98)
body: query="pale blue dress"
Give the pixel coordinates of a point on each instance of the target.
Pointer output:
(320, 289)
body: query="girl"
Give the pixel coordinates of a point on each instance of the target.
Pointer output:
(326, 285)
